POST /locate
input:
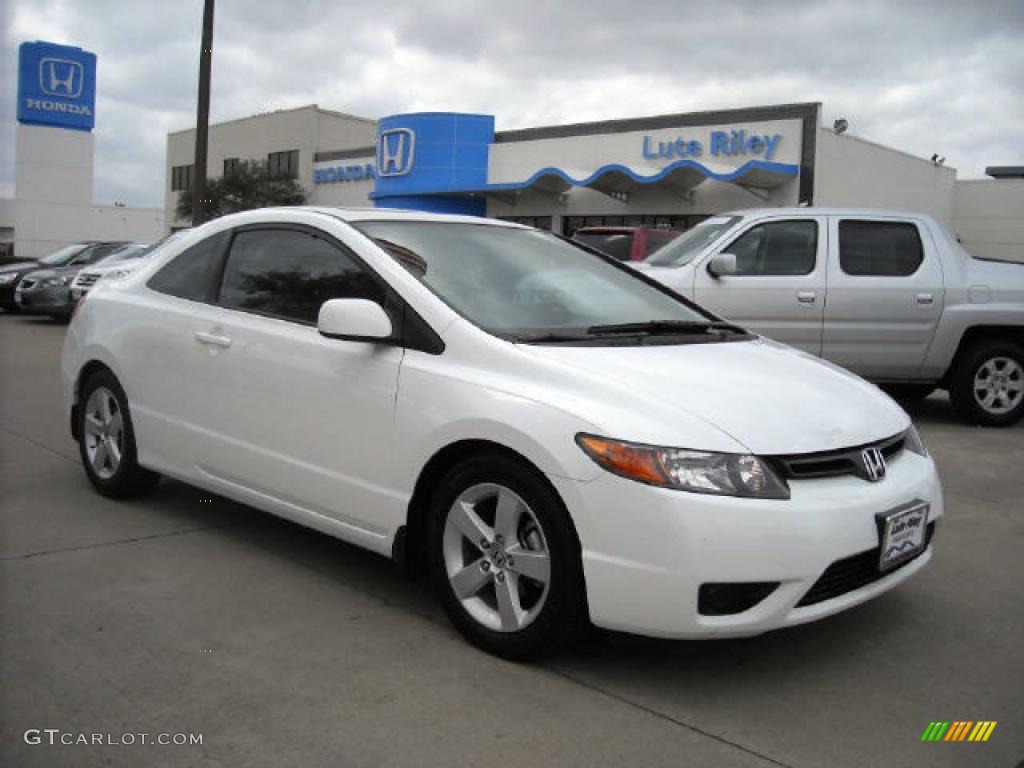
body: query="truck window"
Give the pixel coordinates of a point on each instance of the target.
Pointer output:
(879, 248)
(777, 248)
(618, 245)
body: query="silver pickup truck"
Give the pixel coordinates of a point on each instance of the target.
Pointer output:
(890, 296)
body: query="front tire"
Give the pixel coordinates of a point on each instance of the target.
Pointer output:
(504, 558)
(106, 439)
(987, 387)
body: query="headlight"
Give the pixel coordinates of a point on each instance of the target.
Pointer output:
(5, 279)
(722, 474)
(912, 442)
(52, 282)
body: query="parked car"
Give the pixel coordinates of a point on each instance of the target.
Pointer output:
(437, 387)
(890, 296)
(47, 291)
(11, 274)
(625, 243)
(118, 264)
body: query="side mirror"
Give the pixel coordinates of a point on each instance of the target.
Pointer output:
(722, 264)
(354, 320)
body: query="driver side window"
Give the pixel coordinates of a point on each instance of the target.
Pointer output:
(776, 248)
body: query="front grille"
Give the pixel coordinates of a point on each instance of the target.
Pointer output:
(26, 284)
(854, 572)
(86, 279)
(845, 461)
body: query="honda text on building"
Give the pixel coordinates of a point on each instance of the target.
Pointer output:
(560, 438)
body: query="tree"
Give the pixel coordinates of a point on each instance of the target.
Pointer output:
(248, 185)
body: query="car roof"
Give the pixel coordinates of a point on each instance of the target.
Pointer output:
(823, 211)
(396, 214)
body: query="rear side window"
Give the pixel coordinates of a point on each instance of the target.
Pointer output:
(618, 245)
(192, 273)
(777, 248)
(879, 248)
(290, 273)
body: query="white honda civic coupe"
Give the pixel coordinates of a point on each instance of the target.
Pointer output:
(561, 440)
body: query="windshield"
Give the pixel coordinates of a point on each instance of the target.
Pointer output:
(683, 248)
(520, 282)
(63, 256)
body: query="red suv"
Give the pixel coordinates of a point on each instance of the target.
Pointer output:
(625, 243)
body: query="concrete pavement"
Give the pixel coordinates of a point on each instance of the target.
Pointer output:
(184, 612)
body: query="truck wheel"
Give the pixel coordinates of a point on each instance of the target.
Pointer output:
(987, 387)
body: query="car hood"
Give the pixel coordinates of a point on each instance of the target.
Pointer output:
(768, 397)
(19, 266)
(43, 274)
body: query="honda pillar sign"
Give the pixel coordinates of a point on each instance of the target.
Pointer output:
(56, 86)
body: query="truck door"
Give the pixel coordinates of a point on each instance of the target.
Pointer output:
(885, 295)
(779, 286)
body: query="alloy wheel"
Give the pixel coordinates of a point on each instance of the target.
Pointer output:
(103, 433)
(496, 557)
(999, 385)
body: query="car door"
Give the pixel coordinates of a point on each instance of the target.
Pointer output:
(282, 413)
(885, 296)
(779, 286)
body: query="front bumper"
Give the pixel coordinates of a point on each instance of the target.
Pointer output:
(50, 300)
(647, 551)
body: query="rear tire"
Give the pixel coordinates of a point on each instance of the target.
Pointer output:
(106, 439)
(987, 387)
(504, 558)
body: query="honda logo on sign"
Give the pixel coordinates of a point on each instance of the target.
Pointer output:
(874, 464)
(61, 77)
(395, 152)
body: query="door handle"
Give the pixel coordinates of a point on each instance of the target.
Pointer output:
(214, 339)
(806, 297)
(925, 298)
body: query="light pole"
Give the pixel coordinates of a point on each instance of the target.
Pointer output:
(202, 118)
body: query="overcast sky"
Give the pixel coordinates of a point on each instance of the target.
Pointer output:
(938, 76)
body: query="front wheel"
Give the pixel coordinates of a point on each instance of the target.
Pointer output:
(504, 558)
(987, 387)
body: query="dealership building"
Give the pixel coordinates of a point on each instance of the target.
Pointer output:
(53, 175)
(667, 171)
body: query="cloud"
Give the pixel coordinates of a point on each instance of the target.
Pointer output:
(920, 76)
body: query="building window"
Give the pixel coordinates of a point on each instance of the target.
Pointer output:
(284, 164)
(540, 222)
(230, 165)
(181, 178)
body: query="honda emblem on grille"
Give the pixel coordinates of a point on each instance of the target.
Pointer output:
(874, 464)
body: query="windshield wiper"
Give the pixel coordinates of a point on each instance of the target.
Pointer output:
(665, 327)
(531, 338)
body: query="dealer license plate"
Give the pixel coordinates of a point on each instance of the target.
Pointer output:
(903, 534)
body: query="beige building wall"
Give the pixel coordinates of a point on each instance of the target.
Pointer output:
(852, 172)
(988, 217)
(307, 129)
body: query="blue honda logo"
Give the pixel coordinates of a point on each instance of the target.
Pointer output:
(395, 152)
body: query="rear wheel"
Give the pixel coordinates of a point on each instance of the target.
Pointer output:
(504, 558)
(987, 387)
(106, 439)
